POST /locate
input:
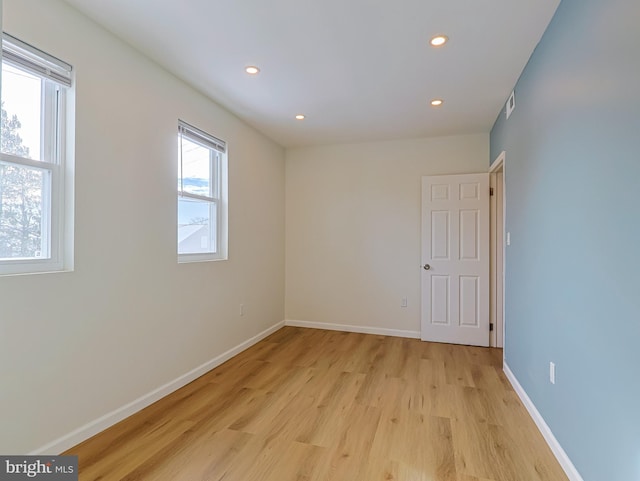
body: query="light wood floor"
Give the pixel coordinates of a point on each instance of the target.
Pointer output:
(311, 405)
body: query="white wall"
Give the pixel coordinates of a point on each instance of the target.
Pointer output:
(353, 227)
(74, 346)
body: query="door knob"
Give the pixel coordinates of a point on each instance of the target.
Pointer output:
(426, 267)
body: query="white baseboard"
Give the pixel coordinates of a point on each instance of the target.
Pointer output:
(349, 328)
(94, 427)
(562, 457)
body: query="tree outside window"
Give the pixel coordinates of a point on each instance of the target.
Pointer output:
(20, 197)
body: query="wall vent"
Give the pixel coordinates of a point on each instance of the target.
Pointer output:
(511, 103)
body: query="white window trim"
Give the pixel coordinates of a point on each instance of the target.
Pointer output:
(218, 201)
(54, 162)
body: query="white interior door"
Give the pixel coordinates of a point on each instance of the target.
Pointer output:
(455, 259)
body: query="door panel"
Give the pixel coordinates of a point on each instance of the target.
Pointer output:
(469, 235)
(440, 235)
(455, 245)
(441, 297)
(469, 300)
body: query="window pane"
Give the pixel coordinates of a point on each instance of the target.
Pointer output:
(196, 168)
(21, 113)
(22, 207)
(196, 222)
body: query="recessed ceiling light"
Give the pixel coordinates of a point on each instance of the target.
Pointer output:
(299, 117)
(251, 70)
(437, 102)
(439, 40)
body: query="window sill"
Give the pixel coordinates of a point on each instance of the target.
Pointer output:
(8, 269)
(193, 258)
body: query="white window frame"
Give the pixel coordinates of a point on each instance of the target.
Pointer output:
(217, 201)
(57, 80)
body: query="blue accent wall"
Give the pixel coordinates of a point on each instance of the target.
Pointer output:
(573, 210)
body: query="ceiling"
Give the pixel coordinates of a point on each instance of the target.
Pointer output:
(359, 70)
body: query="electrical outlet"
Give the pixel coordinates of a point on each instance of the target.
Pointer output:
(552, 373)
(241, 310)
(403, 303)
(508, 238)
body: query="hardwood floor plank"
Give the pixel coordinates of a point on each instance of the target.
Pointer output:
(464, 477)
(260, 420)
(353, 445)
(332, 412)
(208, 457)
(312, 405)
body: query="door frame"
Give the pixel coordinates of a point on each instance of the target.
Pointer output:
(497, 338)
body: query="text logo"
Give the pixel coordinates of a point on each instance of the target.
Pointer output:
(51, 468)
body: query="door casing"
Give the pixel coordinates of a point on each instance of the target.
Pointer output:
(498, 250)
